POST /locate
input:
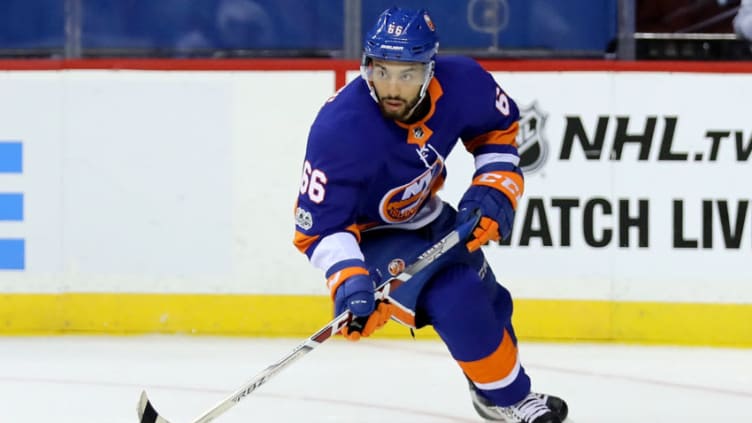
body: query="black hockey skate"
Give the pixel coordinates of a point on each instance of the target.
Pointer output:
(534, 408)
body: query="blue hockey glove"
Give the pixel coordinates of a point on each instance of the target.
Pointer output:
(497, 215)
(357, 294)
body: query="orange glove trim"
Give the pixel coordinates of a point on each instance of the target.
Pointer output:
(510, 183)
(376, 320)
(337, 278)
(487, 230)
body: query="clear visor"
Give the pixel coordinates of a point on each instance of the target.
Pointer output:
(405, 73)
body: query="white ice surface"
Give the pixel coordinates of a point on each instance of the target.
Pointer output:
(73, 379)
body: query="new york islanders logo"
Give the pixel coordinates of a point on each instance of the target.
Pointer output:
(401, 203)
(531, 142)
(396, 266)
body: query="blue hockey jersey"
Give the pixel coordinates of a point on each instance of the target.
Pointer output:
(362, 170)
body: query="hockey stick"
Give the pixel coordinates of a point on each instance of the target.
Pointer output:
(147, 413)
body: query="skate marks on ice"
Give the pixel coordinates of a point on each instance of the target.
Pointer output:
(664, 383)
(95, 379)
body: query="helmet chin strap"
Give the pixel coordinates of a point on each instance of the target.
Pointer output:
(423, 88)
(364, 62)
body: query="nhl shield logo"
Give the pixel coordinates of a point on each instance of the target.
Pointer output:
(531, 142)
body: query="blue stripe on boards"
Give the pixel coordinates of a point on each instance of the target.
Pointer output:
(12, 254)
(11, 206)
(11, 157)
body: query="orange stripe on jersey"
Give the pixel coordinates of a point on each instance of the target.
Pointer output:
(510, 183)
(303, 242)
(364, 226)
(355, 230)
(437, 185)
(494, 367)
(434, 93)
(337, 278)
(501, 137)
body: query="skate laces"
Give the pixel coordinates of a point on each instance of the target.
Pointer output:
(529, 409)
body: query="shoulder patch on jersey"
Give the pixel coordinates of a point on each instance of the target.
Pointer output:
(303, 218)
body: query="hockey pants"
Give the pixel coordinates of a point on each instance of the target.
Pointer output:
(460, 298)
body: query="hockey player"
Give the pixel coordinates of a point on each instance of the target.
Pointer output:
(368, 204)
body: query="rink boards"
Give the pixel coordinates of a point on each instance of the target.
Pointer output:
(156, 196)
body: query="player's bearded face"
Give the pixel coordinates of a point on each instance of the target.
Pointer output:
(397, 85)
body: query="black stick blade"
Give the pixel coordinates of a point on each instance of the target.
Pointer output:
(146, 411)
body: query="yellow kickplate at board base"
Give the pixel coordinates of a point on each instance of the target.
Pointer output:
(301, 315)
